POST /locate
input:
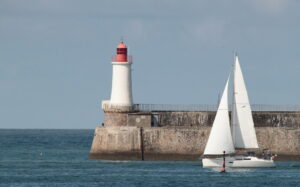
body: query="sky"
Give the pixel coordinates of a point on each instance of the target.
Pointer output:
(55, 55)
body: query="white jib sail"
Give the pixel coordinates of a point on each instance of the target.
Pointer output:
(243, 131)
(220, 138)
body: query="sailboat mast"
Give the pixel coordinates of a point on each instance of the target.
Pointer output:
(233, 101)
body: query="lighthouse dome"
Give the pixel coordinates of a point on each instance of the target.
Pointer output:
(122, 45)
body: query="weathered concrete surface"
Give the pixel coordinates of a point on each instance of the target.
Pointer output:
(188, 118)
(139, 119)
(175, 140)
(276, 119)
(112, 139)
(197, 118)
(115, 118)
(180, 143)
(284, 141)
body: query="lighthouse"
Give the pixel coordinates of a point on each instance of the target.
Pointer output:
(121, 92)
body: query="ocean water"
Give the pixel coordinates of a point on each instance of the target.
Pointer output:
(60, 158)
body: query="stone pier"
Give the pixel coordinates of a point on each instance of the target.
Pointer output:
(182, 135)
(181, 143)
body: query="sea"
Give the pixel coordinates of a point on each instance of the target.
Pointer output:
(61, 158)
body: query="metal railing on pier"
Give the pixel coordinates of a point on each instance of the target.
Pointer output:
(194, 107)
(174, 107)
(273, 107)
(210, 107)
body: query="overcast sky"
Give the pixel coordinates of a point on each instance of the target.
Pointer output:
(55, 55)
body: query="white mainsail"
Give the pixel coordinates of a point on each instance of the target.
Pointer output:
(220, 135)
(243, 131)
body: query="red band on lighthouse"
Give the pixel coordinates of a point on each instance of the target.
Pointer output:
(121, 53)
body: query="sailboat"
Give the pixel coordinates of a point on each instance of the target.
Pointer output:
(239, 135)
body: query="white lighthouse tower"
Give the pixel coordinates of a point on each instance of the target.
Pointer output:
(121, 92)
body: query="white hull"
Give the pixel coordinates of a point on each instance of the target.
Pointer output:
(244, 162)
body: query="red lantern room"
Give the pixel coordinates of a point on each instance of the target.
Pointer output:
(121, 52)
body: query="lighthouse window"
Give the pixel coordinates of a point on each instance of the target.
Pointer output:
(121, 51)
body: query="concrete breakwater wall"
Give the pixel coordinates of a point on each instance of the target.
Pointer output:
(196, 118)
(179, 143)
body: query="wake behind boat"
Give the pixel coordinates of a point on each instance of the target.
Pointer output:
(240, 134)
